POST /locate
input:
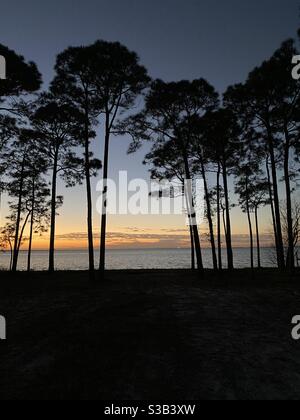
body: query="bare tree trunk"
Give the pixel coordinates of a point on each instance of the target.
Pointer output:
(11, 256)
(104, 198)
(224, 220)
(257, 238)
(31, 227)
(250, 227)
(53, 215)
(89, 197)
(18, 220)
(22, 232)
(209, 217)
(251, 239)
(228, 221)
(193, 216)
(289, 211)
(193, 262)
(276, 204)
(219, 218)
(30, 242)
(272, 209)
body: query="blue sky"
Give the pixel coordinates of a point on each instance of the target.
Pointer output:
(175, 39)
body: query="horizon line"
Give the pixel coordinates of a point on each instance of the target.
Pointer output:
(137, 249)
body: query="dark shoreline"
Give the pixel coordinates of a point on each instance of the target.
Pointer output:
(148, 335)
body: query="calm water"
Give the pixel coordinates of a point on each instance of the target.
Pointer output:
(133, 259)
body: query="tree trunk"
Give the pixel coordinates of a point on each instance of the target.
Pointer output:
(53, 214)
(219, 218)
(11, 256)
(104, 198)
(276, 203)
(209, 217)
(18, 220)
(272, 209)
(289, 211)
(193, 262)
(30, 242)
(251, 239)
(89, 197)
(228, 221)
(31, 227)
(22, 232)
(250, 228)
(193, 216)
(224, 220)
(257, 238)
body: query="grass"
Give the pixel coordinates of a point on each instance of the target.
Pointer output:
(142, 335)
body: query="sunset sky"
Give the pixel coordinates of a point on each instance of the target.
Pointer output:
(175, 39)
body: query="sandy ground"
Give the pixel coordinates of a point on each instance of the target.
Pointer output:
(149, 335)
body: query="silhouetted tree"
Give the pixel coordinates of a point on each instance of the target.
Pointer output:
(259, 191)
(287, 120)
(58, 127)
(38, 207)
(247, 172)
(217, 203)
(118, 80)
(243, 190)
(22, 78)
(7, 234)
(296, 228)
(38, 203)
(167, 164)
(218, 197)
(223, 132)
(201, 162)
(75, 80)
(18, 159)
(269, 103)
(271, 201)
(168, 114)
(33, 196)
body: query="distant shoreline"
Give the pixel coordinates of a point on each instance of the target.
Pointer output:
(136, 249)
(135, 259)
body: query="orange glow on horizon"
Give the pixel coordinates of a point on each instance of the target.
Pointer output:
(138, 239)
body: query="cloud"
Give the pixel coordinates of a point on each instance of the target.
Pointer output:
(122, 235)
(163, 238)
